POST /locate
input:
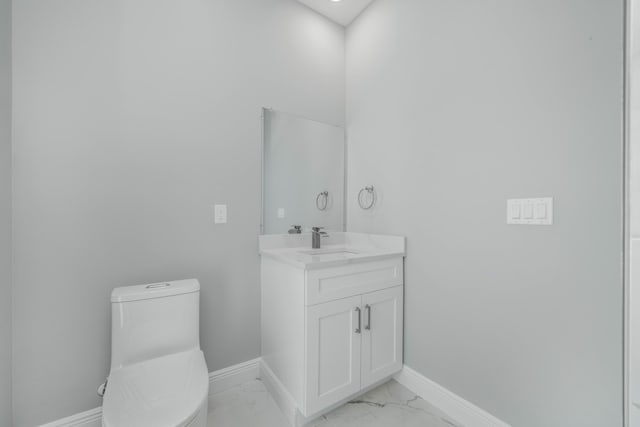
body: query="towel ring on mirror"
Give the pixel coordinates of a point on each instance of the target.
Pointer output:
(322, 200)
(372, 194)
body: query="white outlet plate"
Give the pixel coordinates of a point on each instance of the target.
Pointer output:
(220, 214)
(530, 211)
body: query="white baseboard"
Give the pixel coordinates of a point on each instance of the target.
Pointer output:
(279, 393)
(219, 381)
(235, 375)
(91, 418)
(453, 405)
(448, 402)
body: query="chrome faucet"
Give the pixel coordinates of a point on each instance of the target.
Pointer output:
(316, 234)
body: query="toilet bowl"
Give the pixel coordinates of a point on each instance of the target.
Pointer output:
(166, 391)
(158, 376)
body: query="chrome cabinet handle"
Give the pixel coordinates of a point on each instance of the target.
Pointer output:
(368, 325)
(359, 328)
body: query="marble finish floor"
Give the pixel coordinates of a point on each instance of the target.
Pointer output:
(390, 405)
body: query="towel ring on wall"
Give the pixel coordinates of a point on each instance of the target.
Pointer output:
(322, 200)
(371, 191)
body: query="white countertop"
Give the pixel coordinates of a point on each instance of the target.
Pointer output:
(337, 249)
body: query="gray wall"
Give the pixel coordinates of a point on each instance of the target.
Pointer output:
(5, 212)
(634, 68)
(634, 190)
(131, 120)
(453, 107)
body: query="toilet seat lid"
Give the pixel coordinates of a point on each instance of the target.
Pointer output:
(166, 391)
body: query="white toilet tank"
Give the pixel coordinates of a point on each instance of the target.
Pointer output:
(149, 321)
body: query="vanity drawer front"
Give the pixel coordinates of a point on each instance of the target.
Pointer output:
(328, 284)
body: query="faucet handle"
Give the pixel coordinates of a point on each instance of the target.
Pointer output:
(321, 233)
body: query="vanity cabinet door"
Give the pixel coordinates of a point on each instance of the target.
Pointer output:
(382, 320)
(333, 343)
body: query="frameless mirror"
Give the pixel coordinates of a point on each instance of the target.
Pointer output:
(303, 174)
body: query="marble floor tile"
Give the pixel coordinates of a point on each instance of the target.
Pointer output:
(390, 405)
(248, 405)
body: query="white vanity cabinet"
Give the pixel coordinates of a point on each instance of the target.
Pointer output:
(330, 329)
(351, 343)
(334, 350)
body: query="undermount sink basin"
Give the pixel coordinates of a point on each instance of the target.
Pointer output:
(342, 252)
(339, 249)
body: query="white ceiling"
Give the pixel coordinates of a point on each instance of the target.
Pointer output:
(343, 12)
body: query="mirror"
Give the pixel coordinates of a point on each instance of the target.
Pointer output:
(302, 174)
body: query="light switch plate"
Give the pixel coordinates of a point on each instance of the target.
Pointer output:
(530, 211)
(220, 214)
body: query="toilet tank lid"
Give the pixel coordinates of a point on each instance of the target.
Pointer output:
(155, 290)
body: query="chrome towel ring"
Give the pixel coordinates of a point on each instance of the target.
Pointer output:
(372, 195)
(322, 200)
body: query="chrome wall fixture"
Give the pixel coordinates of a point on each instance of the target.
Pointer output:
(322, 200)
(364, 204)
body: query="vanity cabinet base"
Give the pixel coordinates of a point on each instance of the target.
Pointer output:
(290, 408)
(319, 356)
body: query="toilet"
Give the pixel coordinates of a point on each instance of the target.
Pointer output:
(158, 376)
